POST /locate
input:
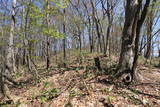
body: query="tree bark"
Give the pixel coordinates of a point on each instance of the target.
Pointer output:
(47, 40)
(130, 39)
(97, 26)
(10, 61)
(110, 21)
(150, 20)
(64, 40)
(89, 28)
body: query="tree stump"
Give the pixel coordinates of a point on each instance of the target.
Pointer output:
(97, 63)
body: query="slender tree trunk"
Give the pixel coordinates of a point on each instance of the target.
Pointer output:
(93, 37)
(47, 40)
(110, 18)
(138, 30)
(47, 53)
(141, 45)
(150, 20)
(97, 26)
(109, 11)
(64, 40)
(90, 37)
(149, 41)
(25, 40)
(98, 35)
(80, 40)
(89, 32)
(89, 29)
(23, 27)
(107, 39)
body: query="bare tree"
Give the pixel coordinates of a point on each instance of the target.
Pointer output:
(96, 21)
(130, 38)
(150, 23)
(64, 39)
(10, 61)
(110, 15)
(47, 38)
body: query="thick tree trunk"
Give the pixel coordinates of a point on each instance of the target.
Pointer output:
(130, 39)
(4, 90)
(2, 93)
(10, 55)
(10, 61)
(127, 53)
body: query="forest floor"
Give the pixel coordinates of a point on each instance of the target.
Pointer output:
(82, 85)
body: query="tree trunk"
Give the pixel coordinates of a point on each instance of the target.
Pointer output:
(150, 20)
(97, 26)
(89, 28)
(130, 39)
(90, 37)
(127, 55)
(80, 40)
(149, 41)
(47, 39)
(64, 41)
(25, 40)
(10, 61)
(142, 42)
(110, 21)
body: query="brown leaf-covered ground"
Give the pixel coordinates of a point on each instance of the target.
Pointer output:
(81, 85)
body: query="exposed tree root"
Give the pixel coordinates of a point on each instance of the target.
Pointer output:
(10, 80)
(128, 77)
